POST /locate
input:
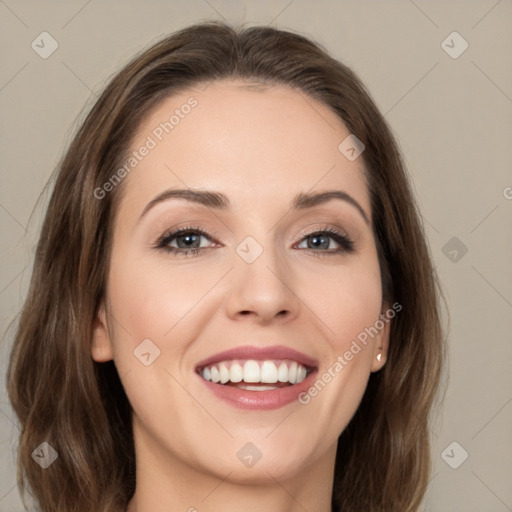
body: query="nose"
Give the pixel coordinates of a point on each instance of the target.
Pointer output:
(262, 290)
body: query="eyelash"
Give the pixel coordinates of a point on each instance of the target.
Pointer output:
(347, 245)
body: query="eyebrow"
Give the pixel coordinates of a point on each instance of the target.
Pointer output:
(218, 201)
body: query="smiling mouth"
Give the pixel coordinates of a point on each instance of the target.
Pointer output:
(255, 375)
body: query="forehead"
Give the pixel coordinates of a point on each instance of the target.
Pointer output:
(246, 139)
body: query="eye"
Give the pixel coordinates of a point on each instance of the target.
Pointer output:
(185, 241)
(319, 243)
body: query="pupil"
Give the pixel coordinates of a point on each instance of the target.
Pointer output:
(187, 239)
(324, 244)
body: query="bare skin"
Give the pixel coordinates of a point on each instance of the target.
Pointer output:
(260, 147)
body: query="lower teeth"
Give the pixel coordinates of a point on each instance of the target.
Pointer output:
(257, 387)
(248, 387)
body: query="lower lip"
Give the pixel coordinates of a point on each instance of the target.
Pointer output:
(260, 400)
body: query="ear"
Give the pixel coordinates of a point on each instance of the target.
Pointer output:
(101, 345)
(381, 343)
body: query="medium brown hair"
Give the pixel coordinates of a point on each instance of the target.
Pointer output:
(79, 406)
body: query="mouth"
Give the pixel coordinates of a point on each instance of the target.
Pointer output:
(253, 375)
(254, 378)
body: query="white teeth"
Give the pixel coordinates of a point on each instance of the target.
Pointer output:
(292, 373)
(224, 373)
(301, 373)
(253, 372)
(252, 387)
(215, 374)
(236, 374)
(268, 372)
(282, 373)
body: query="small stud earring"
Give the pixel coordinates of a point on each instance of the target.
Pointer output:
(379, 357)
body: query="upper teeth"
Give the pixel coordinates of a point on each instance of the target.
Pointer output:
(255, 371)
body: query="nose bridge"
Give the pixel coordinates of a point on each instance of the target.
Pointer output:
(261, 279)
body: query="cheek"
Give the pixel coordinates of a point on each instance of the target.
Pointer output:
(151, 299)
(351, 304)
(154, 316)
(347, 300)
(168, 306)
(356, 306)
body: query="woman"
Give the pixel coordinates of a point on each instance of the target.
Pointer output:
(232, 304)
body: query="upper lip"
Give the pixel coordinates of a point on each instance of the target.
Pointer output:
(260, 354)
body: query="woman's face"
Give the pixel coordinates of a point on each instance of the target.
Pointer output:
(287, 283)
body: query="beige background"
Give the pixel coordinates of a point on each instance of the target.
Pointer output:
(452, 117)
